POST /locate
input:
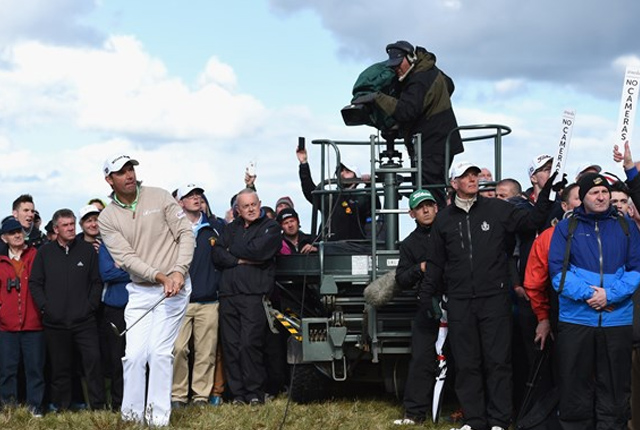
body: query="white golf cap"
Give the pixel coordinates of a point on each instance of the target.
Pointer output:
(537, 162)
(117, 162)
(593, 167)
(87, 210)
(459, 169)
(186, 189)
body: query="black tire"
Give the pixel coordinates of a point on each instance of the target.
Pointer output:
(308, 384)
(394, 372)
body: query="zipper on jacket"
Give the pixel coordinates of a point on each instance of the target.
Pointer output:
(461, 237)
(473, 287)
(20, 310)
(601, 263)
(600, 258)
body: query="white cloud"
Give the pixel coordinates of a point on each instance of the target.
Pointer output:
(627, 61)
(510, 86)
(217, 73)
(122, 89)
(542, 41)
(118, 97)
(5, 143)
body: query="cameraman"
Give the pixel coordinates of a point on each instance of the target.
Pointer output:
(423, 106)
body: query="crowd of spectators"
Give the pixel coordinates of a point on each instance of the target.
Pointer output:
(496, 253)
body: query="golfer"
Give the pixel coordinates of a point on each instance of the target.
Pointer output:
(148, 235)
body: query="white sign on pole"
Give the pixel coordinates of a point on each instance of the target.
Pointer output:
(568, 119)
(628, 106)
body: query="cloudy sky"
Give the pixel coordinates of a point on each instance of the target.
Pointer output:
(196, 89)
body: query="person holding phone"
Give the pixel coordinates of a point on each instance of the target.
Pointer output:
(346, 215)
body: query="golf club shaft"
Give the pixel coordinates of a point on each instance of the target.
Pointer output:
(144, 314)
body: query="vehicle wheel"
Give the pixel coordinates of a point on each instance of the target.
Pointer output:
(309, 384)
(395, 371)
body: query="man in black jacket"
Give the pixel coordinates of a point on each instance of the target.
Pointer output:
(346, 214)
(424, 331)
(423, 106)
(246, 254)
(65, 284)
(467, 248)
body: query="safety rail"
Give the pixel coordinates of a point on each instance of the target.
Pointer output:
(346, 321)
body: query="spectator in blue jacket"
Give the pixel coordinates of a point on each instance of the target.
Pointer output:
(114, 300)
(595, 284)
(200, 323)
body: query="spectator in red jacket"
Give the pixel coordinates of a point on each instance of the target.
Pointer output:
(21, 332)
(536, 278)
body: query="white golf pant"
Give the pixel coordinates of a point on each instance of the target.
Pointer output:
(151, 342)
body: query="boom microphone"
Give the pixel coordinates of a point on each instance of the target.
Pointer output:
(381, 290)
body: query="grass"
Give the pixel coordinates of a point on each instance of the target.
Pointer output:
(342, 414)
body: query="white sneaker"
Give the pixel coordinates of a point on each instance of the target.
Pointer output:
(464, 427)
(404, 422)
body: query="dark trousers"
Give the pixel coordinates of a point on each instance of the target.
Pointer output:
(242, 328)
(524, 350)
(480, 340)
(112, 348)
(433, 173)
(635, 389)
(60, 345)
(275, 362)
(594, 364)
(28, 345)
(421, 376)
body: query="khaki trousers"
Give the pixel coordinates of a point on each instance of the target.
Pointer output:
(218, 379)
(201, 323)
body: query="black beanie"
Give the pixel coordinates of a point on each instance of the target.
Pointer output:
(286, 213)
(590, 180)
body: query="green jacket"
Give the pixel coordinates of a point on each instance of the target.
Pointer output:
(423, 105)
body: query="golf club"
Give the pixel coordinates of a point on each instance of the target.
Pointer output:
(117, 331)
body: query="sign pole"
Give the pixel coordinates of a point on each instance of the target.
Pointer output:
(559, 161)
(628, 102)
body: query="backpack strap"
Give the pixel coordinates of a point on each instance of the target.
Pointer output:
(573, 223)
(623, 224)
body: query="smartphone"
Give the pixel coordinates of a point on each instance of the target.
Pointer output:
(301, 144)
(251, 168)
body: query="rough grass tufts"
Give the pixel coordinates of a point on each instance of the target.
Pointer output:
(339, 414)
